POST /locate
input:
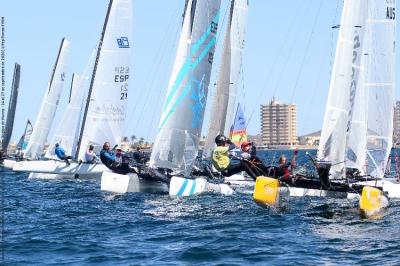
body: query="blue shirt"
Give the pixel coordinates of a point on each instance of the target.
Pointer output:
(60, 152)
(107, 157)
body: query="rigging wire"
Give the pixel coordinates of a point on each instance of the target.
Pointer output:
(306, 51)
(143, 95)
(278, 54)
(332, 47)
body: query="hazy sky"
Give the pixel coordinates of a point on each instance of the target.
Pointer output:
(289, 51)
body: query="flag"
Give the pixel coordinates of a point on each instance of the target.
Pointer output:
(238, 133)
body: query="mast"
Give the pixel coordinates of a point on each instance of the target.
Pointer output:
(92, 80)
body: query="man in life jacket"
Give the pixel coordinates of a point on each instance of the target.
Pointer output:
(108, 158)
(60, 153)
(222, 161)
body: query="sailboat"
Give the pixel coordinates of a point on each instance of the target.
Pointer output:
(23, 141)
(11, 111)
(221, 115)
(358, 121)
(176, 144)
(104, 112)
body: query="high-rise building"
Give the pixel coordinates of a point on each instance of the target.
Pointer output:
(278, 124)
(396, 124)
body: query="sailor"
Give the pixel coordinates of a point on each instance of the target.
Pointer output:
(59, 151)
(90, 155)
(222, 161)
(287, 167)
(249, 152)
(138, 155)
(108, 158)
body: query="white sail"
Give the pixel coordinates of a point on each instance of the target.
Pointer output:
(11, 108)
(24, 140)
(105, 114)
(181, 120)
(345, 76)
(65, 133)
(380, 83)
(49, 105)
(221, 116)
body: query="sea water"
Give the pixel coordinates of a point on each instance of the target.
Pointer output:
(70, 221)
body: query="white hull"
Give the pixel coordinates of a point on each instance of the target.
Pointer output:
(116, 183)
(60, 168)
(9, 164)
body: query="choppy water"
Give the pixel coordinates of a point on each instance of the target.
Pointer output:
(60, 222)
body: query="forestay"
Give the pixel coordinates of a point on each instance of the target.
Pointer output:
(343, 86)
(181, 120)
(229, 74)
(49, 105)
(106, 106)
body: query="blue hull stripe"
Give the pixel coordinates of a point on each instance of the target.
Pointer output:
(183, 187)
(193, 188)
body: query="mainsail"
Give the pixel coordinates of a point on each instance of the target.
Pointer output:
(23, 141)
(343, 86)
(49, 105)
(11, 108)
(229, 75)
(106, 106)
(65, 133)
(379, 83)
(181, 120)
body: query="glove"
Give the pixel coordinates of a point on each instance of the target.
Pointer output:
(116, 145)
(295, 152)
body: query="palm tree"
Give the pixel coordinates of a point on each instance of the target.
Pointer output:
(141, 141)
(125, 139)
(133, 138)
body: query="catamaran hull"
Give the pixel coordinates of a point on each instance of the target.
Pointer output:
(116, 183)
(9, 164)
(60, 168)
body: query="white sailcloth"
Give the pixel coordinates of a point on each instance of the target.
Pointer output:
(106, 107)
(221, 117)
(65, 133)
(380, 83)
(181, 120)
(345, 76)
(49, 105)
(24, 140)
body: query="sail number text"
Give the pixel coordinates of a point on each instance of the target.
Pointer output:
(121, 75)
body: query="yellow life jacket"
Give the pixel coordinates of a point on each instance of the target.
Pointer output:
(220, 157)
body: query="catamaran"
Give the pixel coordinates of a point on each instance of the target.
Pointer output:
(104, 111)
(356, 136)
(176, 145)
